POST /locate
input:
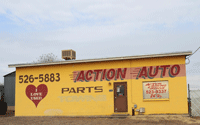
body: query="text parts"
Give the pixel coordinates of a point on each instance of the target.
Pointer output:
(91, 89)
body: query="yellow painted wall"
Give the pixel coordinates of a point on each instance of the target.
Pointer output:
(103, 102)
(177, 102)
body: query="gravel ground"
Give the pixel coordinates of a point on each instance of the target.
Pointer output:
(10, 119)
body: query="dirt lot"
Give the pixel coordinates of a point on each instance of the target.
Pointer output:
(10, 119)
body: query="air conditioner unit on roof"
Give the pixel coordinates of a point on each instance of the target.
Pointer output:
(68, 54)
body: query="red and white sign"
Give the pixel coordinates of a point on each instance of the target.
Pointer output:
(146, 72)
(155, 90)
(36, 94)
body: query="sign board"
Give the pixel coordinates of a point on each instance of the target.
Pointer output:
(155, 90)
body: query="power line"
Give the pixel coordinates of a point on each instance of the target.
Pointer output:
(191, 55)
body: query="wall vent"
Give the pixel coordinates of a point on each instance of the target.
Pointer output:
(68, 54)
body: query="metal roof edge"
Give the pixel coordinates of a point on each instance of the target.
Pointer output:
(186, 53)
(9, 74)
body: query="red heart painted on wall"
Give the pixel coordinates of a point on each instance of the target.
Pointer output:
(36, 94)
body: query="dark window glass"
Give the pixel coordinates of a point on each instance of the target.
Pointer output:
(120, 90)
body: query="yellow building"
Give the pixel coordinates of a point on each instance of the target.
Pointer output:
(145, 84)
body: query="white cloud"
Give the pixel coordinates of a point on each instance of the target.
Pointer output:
(131, 12)
(97, 29)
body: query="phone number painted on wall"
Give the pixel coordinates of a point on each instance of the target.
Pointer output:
(41, 78)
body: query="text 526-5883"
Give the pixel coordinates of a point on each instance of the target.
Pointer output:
(42, 78)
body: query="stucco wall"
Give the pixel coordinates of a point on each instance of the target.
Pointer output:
(62, 90)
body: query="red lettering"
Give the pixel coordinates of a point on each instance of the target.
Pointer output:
(97, 73)
(153, 86)
(120, 73)
(155, 70)
(103, 74)
(177, 70)
(81, 76)
(164, 69)
(110, 74)
(153, 95)
(87, 74)
(149, 91)
(143, 72)
(158, 95)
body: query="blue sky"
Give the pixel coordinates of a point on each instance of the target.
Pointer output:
(97, 29)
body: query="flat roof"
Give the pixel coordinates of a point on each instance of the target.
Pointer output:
(186, 53)
(9, 74)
